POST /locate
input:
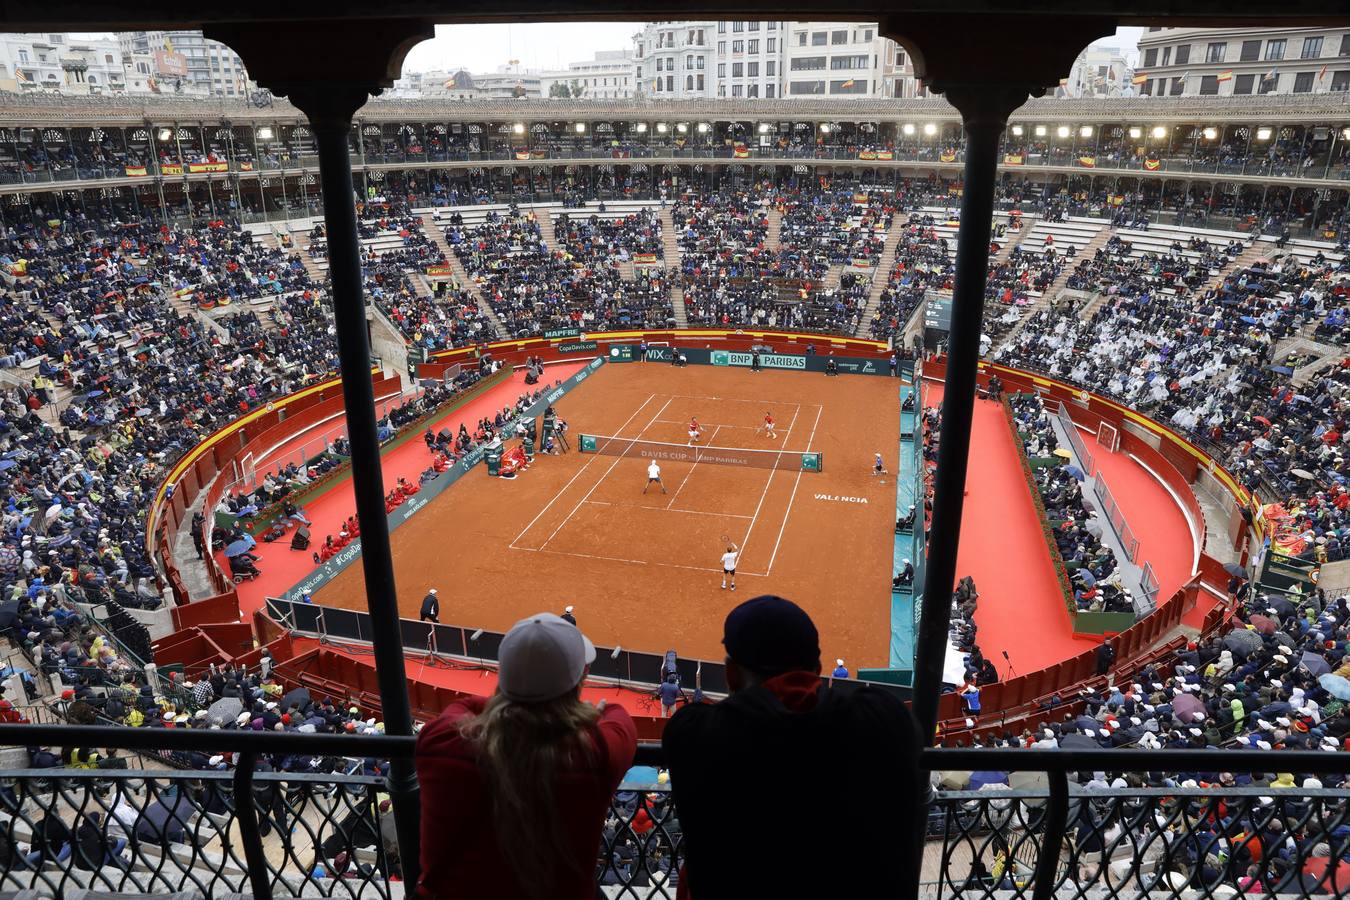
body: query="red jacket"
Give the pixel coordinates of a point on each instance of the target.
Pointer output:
(460, 855)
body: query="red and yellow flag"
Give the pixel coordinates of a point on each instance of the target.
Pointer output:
(1152, 165)
(948, 156)
(1139, 78)
(1226, 76)
(1087, 162)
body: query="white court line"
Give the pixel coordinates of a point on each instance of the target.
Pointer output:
(792, 498)
(676, 495)
(791, 424)
(599, 481)
(636, 562)
(692, 512)
(584, 467)
(739, 400)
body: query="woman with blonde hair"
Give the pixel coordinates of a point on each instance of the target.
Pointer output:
(516, 787)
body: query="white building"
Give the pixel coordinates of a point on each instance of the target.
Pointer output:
(749, 59)
(508, 82)
(60, 63)
(186, 62)
(1238, 61)
(674, 60)
(829, 59)
(609, 76)
(1099, 72)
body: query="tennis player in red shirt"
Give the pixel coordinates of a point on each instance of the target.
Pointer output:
(515, 788)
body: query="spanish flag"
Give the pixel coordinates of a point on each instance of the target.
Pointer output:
(1152, 165)
(948, 156)
(847, 84)
(1139, 78)
(1087, 162)
(1226, 76)
(740, 151)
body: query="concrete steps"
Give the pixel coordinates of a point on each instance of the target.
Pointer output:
(774, 238)
(669, 239)
(1089, 309)
(627, 271)
(546, 231)
(881, 275)
(834, 276)
(677, 307)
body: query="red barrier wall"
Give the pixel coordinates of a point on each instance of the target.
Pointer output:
(220, 608)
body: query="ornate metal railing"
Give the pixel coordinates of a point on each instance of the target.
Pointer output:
(329, 833)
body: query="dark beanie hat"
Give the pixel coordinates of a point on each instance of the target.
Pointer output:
(770, 635)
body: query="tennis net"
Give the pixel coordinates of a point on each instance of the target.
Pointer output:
(796, 460)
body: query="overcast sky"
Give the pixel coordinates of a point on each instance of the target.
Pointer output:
(483, 48)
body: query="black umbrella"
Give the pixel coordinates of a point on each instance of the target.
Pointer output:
(299, 698)
(1235, 570)
(164, 821)
(1242, 642)
(1078, 742)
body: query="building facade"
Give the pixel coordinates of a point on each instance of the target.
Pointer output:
(674, 60)
(845, 59)
(1099, 72)
(609, 76)
(61, 63)
(187, 62)
(1179, 62)
(749, 59)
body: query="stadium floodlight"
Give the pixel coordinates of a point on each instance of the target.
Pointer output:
(1062, 131)
(909, 128)
(1085, 131)
(763, 127)
(641, 127)
(581, 127)
(930, 129)
(702, 127)
(682, 128)
(824, 128)
(1018, 131)
(1345, 133)
(1040, 131)
(1263, 134)
(1136, 132)
(265, 132)
(1210, 133)
(165, 134)
(661, 127)
(1159, 132)
(518, 128)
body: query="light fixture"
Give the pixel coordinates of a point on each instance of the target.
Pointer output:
(1040, 131)
(908, 129)
(1018, 130)
(581, 127)
(702, 127)
(265, 132)
(682, 128)
(1263, 134)
(1159, 132)
(165, 134)
(1062, 131)
(1085, 131)
(763, 127)
(1345, 133)
(642, 128)
(1136, 132)
(1210, 133)
(930, 129)
(824, 128)
(661, 127)
(518, 128)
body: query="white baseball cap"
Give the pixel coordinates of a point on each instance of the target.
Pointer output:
(432, 591)
(542, 657)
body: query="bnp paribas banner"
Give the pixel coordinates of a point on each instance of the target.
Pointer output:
(697, 356)
(766, 360)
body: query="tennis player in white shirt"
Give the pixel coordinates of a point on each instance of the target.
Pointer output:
(654, 477)
(729, 565)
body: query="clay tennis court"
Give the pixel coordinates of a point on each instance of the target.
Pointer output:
(644, 570)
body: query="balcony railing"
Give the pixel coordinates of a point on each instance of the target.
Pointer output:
(1016, 827)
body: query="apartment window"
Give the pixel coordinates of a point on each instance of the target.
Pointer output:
(819, 38)
(1275, 49)
(699, 80)
(1243, 84)
(801, 39)
(1312, 48)
(738, 46)
(689, 62)
(689, 82)
(699, 63)
(771, 68)
(771, 45)
(1179, 85)
(670, 83)
(1183, 54)
(721, 27)
(721, 48)
(737, 70)
(839, 37)
(721, 70)
(1167, 56)
(699, 35)
(1209, 85)
(1268, 85)
(807, 63)
(752, 26)
(42, 57)
(1340, 81)
(1251, 50)
(849, 86)
(1215, 51)
(752, 90)
(768, 88)
(867, 34)
(848, 62)
(1345, 45)
(737, 91)
(807, 87)
(753, 46)
(772, 26)
(752, 70)
(1303, 82)
(1151, 57)
(737, 26)
(1146, 89)
(23, 55)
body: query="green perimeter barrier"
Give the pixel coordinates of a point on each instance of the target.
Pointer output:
(701, 356)
(1102, 622)
(902, 677)
(327, 571)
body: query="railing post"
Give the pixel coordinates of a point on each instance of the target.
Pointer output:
(246, 811)
(1056, 820)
